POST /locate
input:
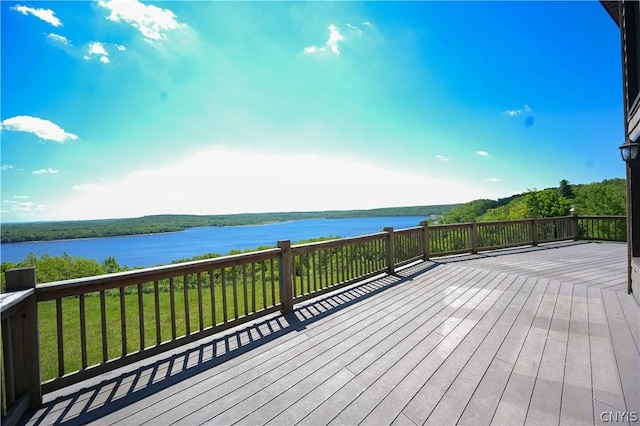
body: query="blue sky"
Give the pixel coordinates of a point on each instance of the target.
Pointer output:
(124, 109)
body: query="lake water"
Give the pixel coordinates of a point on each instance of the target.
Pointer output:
(157, 249)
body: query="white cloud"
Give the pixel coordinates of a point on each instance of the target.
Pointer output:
(152, 21)
(44, 171)
(492, 179)
(59, 39)
(482, 153)
(320, 183)
(21, 197)
(47, 15)
(44, 129)
(120, 47)
(442, 158)
(514, 112)
(332, 43)
(97, 49)
(6, 167)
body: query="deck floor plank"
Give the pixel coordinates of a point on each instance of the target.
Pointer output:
(544, 407)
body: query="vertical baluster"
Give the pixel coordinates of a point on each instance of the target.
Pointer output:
(185, 291)
(156, 295)
(234, 283)
(103, 326)
(223, 274)
(297, 270)
(200, 310)
(60, 337)
(331, 266)
(321, 272)
(123, 322)
(83, 331)
(327, 281)
(308, 268)
(212, 288)
(273, 283)
(253, 286)
(342, 264)
(172, 303)
(244, 288)
(264, 285)
(141, 315)
(315, 270)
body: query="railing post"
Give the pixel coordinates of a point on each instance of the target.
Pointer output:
(425, 240)
(285, 276)
(474, 237)
(574, 225)
(391, 254)
(24, 340)
(534, 231)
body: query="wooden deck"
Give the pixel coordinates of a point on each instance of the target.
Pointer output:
(541, 335)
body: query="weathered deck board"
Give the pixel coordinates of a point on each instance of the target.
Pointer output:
(542, 335)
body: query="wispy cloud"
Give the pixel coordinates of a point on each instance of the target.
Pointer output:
(442, 158)
(47, 15)
(492, 179)
(27, 208)
(59, 39)
(332, 43)
(354, 28)
(21, 197)
(514, 112)
(44, 129)
(153, 22)
(44, 171)
(97, 49)
(6, 167)
(120, 47)
(482, 153)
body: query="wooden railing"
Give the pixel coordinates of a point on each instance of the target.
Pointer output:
(92, 325)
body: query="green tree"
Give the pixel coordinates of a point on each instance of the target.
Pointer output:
(547, 203)
(565, 189)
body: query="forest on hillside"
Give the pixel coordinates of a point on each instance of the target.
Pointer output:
(48, 231)
(606, 198)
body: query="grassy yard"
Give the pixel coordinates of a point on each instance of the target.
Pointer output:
(71, 321)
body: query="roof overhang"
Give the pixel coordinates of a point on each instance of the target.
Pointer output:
(613, 9)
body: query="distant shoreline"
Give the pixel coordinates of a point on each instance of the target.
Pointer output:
(160, 224)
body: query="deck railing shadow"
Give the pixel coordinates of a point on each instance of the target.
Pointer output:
(130, 385)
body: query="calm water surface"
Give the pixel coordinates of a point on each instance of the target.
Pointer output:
(157, 249)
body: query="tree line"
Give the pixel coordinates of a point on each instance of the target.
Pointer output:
(48, 231)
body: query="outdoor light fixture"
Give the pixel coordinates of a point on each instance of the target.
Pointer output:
(630, 151)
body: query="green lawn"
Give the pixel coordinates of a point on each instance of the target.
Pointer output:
(71, 321)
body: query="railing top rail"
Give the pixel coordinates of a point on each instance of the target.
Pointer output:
(119, 279)
(602, 217)
(338, 242)
(408, 230)
(549, 219)
(506, 222)
(451, 225)
(11, 299)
